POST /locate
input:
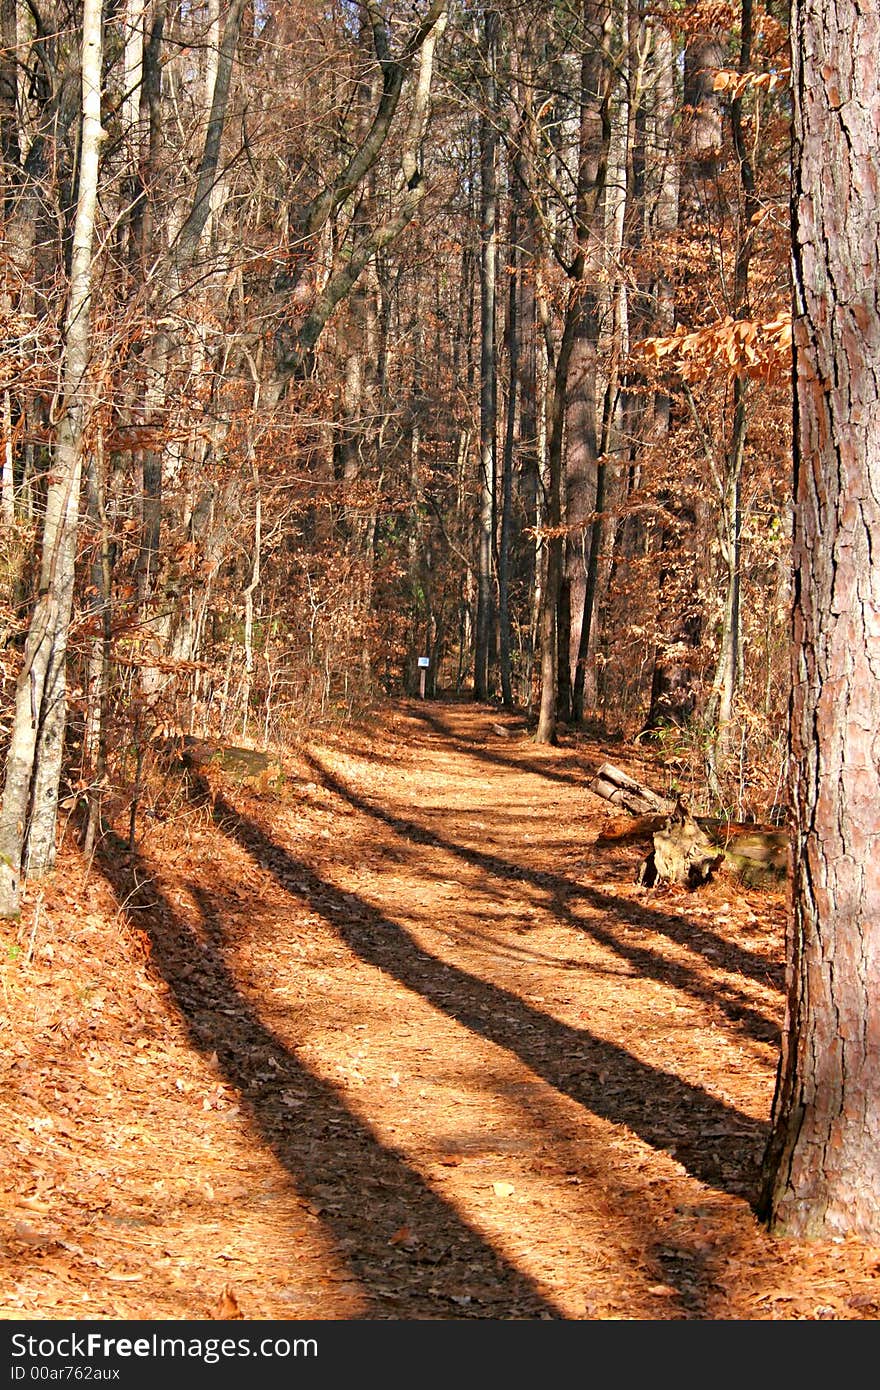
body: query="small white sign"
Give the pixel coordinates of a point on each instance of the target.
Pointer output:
(424, 661)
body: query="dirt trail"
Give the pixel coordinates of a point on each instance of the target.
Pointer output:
(396, 1037)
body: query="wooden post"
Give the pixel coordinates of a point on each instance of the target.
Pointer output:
(424, 662)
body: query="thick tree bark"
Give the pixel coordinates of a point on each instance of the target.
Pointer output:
(581, 455)
(606, 421)
(822, 1167)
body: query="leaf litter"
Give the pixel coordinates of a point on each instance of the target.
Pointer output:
(396, 1036)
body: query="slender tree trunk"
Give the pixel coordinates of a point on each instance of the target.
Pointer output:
(579, 332)
(10, 148)
(250, 589)
(170, 289)
(30, 796)
(681, 618)
(605, 148)
(822, 1165)
(580, 488)
(488, 361)
(542, 485)
(550, 656)
(98, 680)
(730, 529)
(7, 490)
(505, 541)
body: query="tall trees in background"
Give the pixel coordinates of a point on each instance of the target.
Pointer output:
(822, 1166)
(429, 331)
(334, 334)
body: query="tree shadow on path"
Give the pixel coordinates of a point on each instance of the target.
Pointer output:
(732, 1002)
(715, 1142)
(365, 1191)
(475, 748)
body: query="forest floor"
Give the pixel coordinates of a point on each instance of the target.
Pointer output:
(391, 1032)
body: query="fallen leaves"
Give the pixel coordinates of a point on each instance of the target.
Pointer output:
(26, 1234)
(228, 1308)
(503, 1189)
(405, 1239)
(184, 1135)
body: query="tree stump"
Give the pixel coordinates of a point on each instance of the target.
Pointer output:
(683, 853)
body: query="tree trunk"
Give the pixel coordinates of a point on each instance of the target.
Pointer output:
(822, 1165)
(581, 454)
(488, 363)
(579, 329)
(728, 670)
(674, 684)
(30, 794)
(506, 537)
(98, 677)
(180, 255)
(591, 581)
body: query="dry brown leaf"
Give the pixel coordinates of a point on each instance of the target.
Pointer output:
(227, 1306)
(405, 1238)
(35, 1204)
(28, 1236)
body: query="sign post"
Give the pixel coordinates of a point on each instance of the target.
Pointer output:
(424, 663)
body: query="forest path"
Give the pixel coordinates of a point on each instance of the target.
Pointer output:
(404, 1040)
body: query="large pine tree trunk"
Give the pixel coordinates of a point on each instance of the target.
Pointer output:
(822, 1167)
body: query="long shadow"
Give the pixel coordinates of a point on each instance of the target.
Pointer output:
(473, 749)
(365, 1190)
(676, 929)
(717, 1143)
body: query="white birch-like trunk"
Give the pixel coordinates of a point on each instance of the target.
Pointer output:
(30, 796)
(7, 491)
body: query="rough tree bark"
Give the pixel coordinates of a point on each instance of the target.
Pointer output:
(505, 538)
(822, 1165)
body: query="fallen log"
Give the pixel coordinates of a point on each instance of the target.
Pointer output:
(185, 750)
(623, 790)
(756, 853)
(687, 849)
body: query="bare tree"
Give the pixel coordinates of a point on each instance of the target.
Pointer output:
(30, 795)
